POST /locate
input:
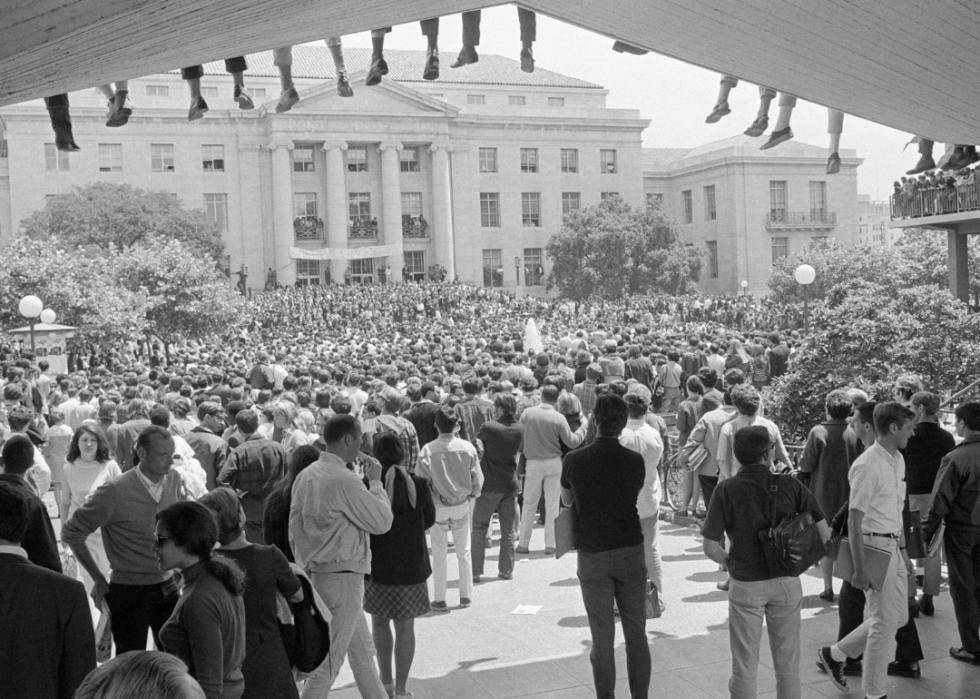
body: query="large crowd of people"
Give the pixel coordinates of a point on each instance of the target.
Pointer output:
(306, 454)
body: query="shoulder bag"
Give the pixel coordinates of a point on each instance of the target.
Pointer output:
(793, 544)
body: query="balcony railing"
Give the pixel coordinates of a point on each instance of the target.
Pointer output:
(415, 227)
(936, 201)
(363, 228)
(801, 219)
(308, 228)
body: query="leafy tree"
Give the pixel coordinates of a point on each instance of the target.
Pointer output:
(835, 265)
(108, 216)
(924, 255)
(612, 249)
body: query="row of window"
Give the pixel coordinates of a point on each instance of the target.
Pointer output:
(687, 205)
(207, 92)
(569, 160)
(530, 207)
(357, 159)
(778, 198)
(310, 272)
(533, 267)
(513, 100)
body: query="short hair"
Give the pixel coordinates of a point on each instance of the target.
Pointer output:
(750, 444)
(145, 438)
(159, 415)
(506, 403)
(247, 421)
(611, 415)
(549, 394)
(969, 413)
(227, 508)
(866, 412)
(429, 387)
(19, 418)
(857, 396)
(338, 427)
(342, 404)
(209, 408)
(907, 384)
(890, 413)
(838, 404)
(637, 404)
(928, 401)
(14, 513)
(745, 399)
(101, 451)
(388, 449)
(144, 674)
(593, 371)
(107, 411)
(568, 404)
(734, 377)
(446, 419)
(18, 455)
(774, 338)
(694, 385)
(471, 385)
(708, 376)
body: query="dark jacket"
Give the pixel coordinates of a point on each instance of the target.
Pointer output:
(956, 494)
(210, 450)
(400, 556)
(39, 540)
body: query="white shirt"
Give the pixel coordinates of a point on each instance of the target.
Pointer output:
(877, 482)
(154, 489)
(646, 441)
(13, 550)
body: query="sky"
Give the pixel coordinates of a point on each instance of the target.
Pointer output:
(675, 96)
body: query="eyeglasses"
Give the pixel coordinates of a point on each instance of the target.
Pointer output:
(158, 540)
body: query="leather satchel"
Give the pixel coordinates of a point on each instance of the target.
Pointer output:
(793, 544)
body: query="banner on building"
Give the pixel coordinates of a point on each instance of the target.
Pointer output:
(345, 253)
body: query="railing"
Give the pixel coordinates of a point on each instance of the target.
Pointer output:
(415, 227)
(801, 219)
(363, 228)
(307, 228)
(936, 201)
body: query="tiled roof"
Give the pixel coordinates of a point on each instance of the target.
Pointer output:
(654, 158)
(660, 158)
(315, 62)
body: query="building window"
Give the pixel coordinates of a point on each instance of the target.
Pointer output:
(359, 212)
(529, 159)
(777, 200)
(488, 160)
(780, 248)
(409, 159)
(209, 93)
(3, 148)
(357, 159)
(415, 262)
(490, 209)
(607, 162)
(213, 158)
(411, 203)
(556, 101)
(710, 212)
(687, 206)
(258, 94)
(414, 224)
(307, 272)
(531, 209)
(713, 258)
(818, 201)
(516, 100)
(304, 205)
(569, 159)
(493, 268)
(303, 159)
(55, 160)
(364, 266)
(655, 200)
(158, 91)
(533, 267)
(216, 209)
(570, 201)
(162, 157)
(476, 99)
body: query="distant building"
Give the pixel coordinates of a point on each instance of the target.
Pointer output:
(873, 219)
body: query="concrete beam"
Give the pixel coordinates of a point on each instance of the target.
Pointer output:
(959, 269)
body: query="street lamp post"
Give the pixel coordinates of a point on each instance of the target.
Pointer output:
(745, 287)
(804, 275)
(517, 273)
(33, 309)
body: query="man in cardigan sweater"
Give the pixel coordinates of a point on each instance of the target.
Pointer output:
(140, 596)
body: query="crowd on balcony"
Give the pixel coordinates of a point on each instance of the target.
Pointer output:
(936, 192)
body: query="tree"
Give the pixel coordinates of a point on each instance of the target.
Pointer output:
(612, 250)
(925, 258)
(117, 217)
(834, 264)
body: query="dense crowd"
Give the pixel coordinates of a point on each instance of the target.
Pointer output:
(295, 466)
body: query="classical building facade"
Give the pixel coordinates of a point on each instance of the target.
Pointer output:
(471, 173)
(749, 207)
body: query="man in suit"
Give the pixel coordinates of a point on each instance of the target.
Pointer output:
(48, 644)
(38, 540)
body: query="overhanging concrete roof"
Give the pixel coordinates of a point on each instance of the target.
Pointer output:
(903, 63)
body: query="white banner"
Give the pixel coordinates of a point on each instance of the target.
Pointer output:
(345, 253)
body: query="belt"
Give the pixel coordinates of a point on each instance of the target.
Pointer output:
(883, 536)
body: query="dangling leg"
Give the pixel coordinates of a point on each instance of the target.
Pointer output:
(282, 59)
(430, 30)
(781, 131)
(237, 67)
(378, 66)
(471, 39)
(198, 106)
(721, 105)
(761, 123)
(61, 122)
(529, 31)
(337, 51)
(835, 126)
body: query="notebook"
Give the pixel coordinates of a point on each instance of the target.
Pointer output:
(564, 532)
(876, 559)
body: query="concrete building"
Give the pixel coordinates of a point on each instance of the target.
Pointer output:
(873, 220)
(749, 207)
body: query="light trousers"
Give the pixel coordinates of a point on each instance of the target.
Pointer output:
(542, 475)
(651, 550)
(457, 519)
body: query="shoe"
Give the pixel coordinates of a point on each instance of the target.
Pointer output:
(827, 595)
(925, 164)
(965, 655)
(852, 667)
(527, 60)
(343, 84)
(431, 71)
(439, 607)
(243, 98)
(832, 668)
(464, 602)
(723, 585)
(476, 578)
(903, 669)
(955, 160)
(913, 608)
(64, 141)
(969, 158)
(833, 164)
(378, 70)
(721, 109)
(777, 137)
(287, 98)
(505, 576)
(549, 552)
(119, 109)
(623, 47)
(758, 127)
(198, 108)
(925, 605)
(681, 513)
(522, 549)
(466, 56)
(390, 689)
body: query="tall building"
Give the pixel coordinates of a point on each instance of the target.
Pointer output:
(471, 172)
(873, 220)
(749, 207)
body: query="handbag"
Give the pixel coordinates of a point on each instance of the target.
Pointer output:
(792, 545)
(307, 641)
(694, 454)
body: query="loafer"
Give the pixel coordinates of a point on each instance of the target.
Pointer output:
(343, 84)
(721, 109)
(466, 56)
(925, 164)
(287, 98)
(431, 71)
(243, 98)
(965, 655)
(505, 576)
(527, 60)
(777, 137)
(832, 667)
(439, 606)
(827, 595)
(924, 602)
(969, 157)
(198, 109)
(464, 602)
(902, 669)
(522, 549)
(623, 47)
(758, 127)
(120, 109)
(64, 141)
(833, 164)
(378, 70)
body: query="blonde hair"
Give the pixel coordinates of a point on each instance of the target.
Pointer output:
(143, 674)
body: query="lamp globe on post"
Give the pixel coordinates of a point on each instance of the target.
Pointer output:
(30, 307)
(48, 316)
(745, 287)
(804, 275)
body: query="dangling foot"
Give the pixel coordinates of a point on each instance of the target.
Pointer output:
(623, 47)
(925, 164)
(243, 98)
(431, 71)
(343, 84)
(777, 137)
(63, 139)
(758, 126)
(120, 109)
(378, 70)
(287, 98)
(833, 164)
(527, 59)
(466, 56)
(198, 108)
(721, 109)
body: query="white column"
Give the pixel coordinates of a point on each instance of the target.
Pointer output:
(282, 212)
(336, 207)
(442, 210)
(391, 202)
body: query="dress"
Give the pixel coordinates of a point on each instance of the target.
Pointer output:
(266, 667)
(81, 479)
